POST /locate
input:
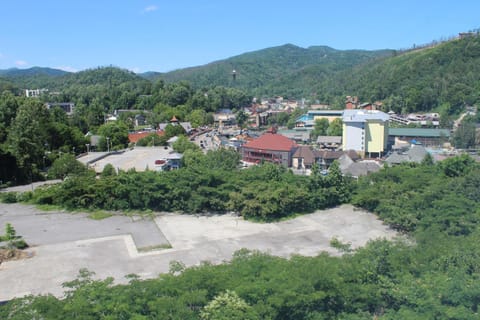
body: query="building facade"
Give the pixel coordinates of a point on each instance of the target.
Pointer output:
(270, 147)
(365, 131)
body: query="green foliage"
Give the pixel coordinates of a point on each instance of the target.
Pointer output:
(65, 165)
(8, 197)
(208, 183)
(99, 215)
(173, 130)
(441, 196)
(343, 247)
(27, 136)
(153, 139)
(115, 134)
(286, 70)
(320, 128)
(241, 118)
(457, 166)
(108, 171)
(335, 128)
(464, 136)
(10, 237)
(430, 274)
(228, 305)
(183, 144)
(10, 233)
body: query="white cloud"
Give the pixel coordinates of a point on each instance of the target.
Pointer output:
(67, 68)
(21, 63)
(150, 9)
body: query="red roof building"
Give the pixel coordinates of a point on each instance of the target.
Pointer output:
(269, 147)
(134, 137)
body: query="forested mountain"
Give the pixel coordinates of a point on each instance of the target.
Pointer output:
(32, 78)
(286, 70)
(445, 74)
(34, 71)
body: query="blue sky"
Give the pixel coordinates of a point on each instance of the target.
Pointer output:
(161, 35)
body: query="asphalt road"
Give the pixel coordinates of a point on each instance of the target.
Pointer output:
(65, 243)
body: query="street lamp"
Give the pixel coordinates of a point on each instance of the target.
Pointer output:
(108, 144)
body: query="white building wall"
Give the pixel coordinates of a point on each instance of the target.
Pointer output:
(355, 136)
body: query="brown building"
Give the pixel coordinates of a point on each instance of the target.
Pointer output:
(271, 147)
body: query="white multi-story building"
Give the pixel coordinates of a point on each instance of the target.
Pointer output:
(35, 93)
(365, 131)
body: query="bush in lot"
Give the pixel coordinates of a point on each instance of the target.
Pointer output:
(8, 197)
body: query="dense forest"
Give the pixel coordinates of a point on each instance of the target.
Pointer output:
(33, 136)
(429, 273)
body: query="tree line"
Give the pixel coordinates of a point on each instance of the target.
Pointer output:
(209, 182)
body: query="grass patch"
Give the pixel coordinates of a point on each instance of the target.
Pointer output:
(49, 207)
(99, 215)
(341, 246)
(156, 247)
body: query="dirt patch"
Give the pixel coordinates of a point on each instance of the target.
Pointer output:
(13, 254)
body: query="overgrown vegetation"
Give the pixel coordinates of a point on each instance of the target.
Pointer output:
(432, 276)
(11, 239)
(207, 183)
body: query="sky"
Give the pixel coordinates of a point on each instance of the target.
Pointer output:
(164, 35)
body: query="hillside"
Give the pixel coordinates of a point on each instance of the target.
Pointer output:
(32, 78)
(285, 70)
(447, 74)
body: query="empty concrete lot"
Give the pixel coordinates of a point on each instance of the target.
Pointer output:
(63, 243)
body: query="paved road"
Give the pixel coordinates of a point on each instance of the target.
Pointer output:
(30, 187)
(74, 242)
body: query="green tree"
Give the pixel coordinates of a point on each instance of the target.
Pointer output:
(8, 110)
(27, 136)
(153, 139)
(66, 165)
(226, 306)
(335, 128)
(320, 128)
(115, 134)
(108, 171)
(172, 130)
(465, 135)
(183, 144)
(197, 118)
(241, 118)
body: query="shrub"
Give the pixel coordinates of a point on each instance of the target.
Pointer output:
(8, 197)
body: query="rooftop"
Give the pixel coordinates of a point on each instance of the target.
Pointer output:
(356, 115)
(419, 132)
(271, 141)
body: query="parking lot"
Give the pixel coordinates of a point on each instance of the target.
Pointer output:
(117, 246)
